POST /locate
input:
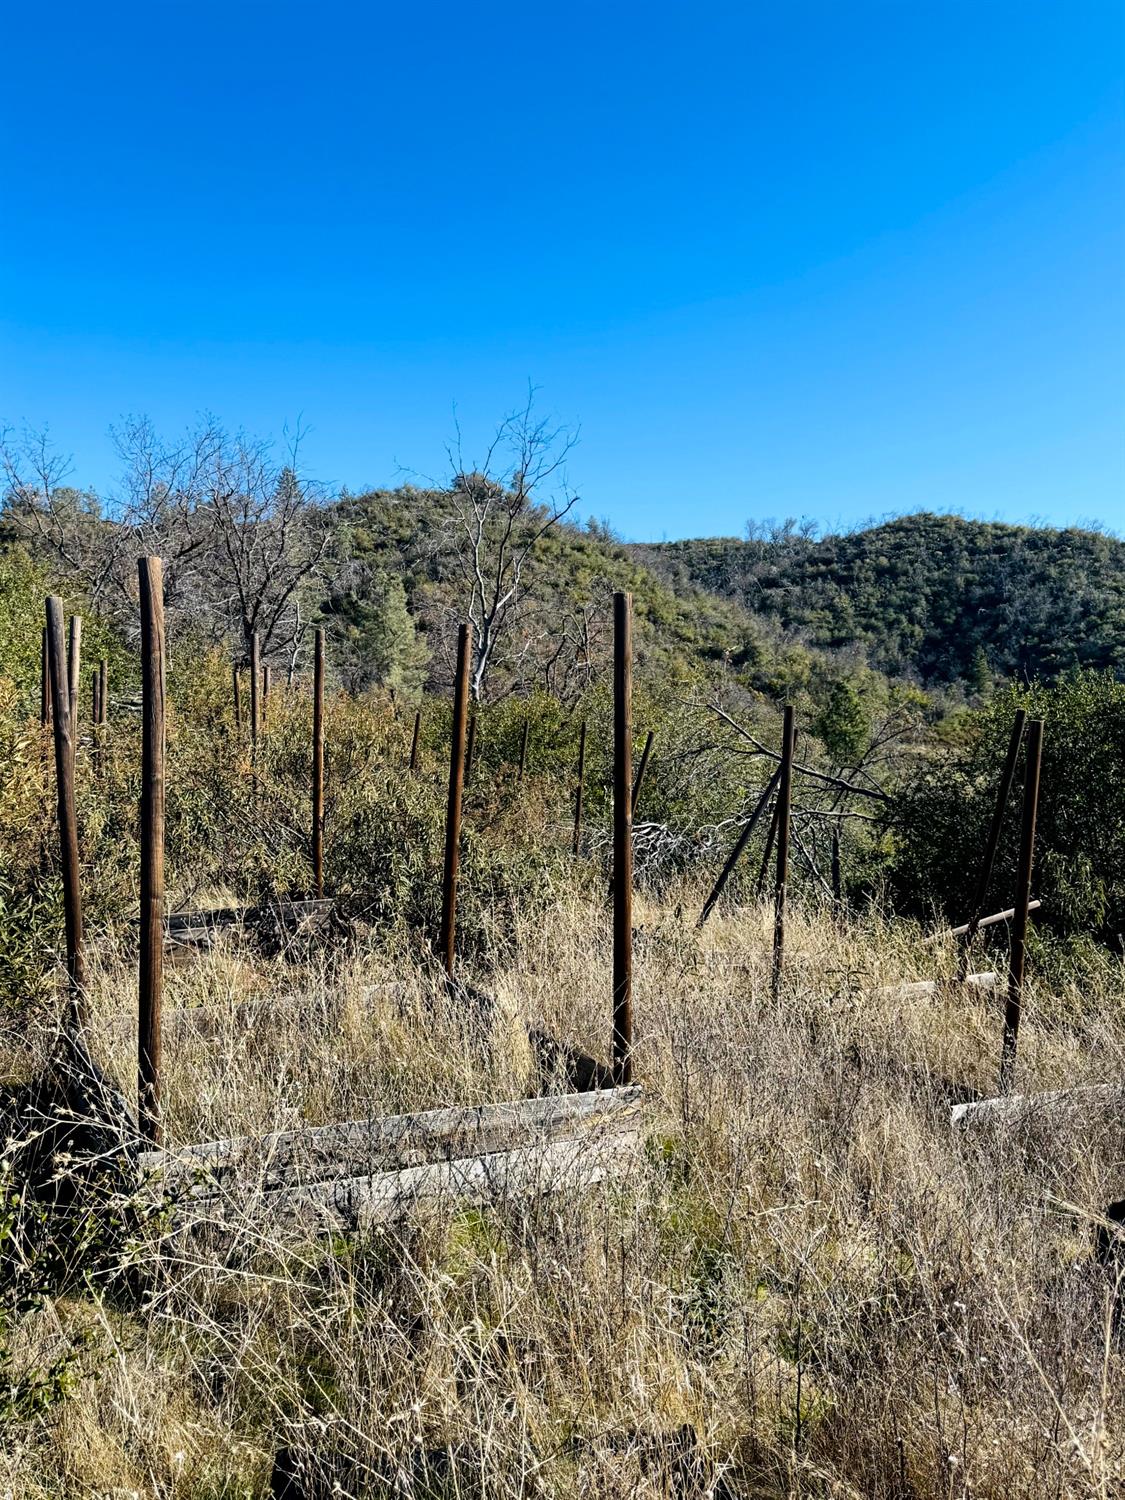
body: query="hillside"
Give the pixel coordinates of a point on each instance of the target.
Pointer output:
(938, 597)
(407, 539)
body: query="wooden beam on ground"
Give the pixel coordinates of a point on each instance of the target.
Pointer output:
(200, 927)
(395, 1142)
(919, 988)
(360, 1203)
(1058, 1104)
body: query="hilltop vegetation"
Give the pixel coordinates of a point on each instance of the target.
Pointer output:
(937, 597)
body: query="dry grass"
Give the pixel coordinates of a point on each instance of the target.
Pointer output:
(815, 1287)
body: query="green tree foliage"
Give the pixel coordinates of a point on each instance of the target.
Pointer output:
(843, 724)
(927, 594)
(943, 815)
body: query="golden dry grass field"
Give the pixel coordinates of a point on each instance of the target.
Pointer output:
(813, 1285)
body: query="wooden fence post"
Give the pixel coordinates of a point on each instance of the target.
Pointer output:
(1032, 767)
(318, 764)
(784, 805)
(453, 810)
(640, 777)
(578, 791)
(523, 748)
(414, 739)
(740, 844)
(1003, 792)
(151, 574)
(78, 1015)
(622, 838)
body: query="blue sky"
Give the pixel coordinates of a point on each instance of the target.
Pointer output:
(831, 260)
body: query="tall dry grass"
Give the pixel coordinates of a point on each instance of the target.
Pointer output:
(814, 1287)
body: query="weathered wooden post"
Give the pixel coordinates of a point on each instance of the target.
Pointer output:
(456, 790)
(739, 846)
(255, 679)
(470, 749)
(1018, 958)
(414, 739)
(784, 806)
(622, 838)
(237, 697)
(523, 748)
(996, 827)
(45, 683)
(578, 791)
(318, 764)
(74, 678)
(68, 818)
(151, 574)
(641, 769)
(265, 693)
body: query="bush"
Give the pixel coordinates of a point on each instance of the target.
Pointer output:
(943, 816)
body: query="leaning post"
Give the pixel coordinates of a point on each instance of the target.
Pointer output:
(578, 791)
(470, 749)
(639, 780)
(1003, 792)
(45, 682)
(784, 811)
(151, 574)
(452, 869)
(739, 846)
(255, 690)
(622, 838)
(318, 764)
(1017, 961)
(74, 678)
(78, 1013)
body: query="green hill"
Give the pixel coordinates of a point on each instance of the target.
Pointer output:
(938, 597)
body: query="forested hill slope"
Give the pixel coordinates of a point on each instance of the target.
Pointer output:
(938, 596)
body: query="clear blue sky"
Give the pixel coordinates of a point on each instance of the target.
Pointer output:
(831, 259)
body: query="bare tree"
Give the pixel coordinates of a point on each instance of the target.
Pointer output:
(499, 519)
(57, 521)
(242, 534)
